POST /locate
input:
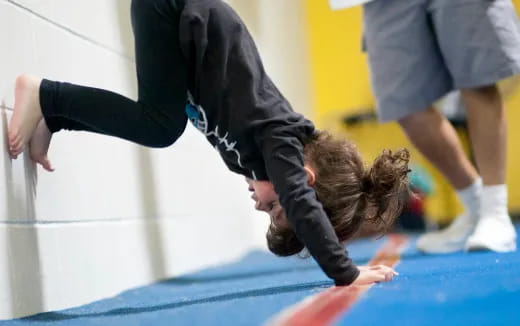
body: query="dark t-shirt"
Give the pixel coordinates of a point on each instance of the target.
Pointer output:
(244, 116)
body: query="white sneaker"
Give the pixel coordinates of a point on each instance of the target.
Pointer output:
(495, 234)
(451, 239)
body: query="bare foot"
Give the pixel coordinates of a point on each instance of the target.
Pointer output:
(27, 113)
(39, 145)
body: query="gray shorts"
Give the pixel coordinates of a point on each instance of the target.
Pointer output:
(419, 50)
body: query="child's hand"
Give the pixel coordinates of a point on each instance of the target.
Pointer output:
(374, 274)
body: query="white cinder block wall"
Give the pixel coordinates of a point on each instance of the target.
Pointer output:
(113, 215)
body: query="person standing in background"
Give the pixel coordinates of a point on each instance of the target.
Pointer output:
(418, 51)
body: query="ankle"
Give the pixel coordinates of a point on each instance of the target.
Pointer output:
(26, 81)
(471, 198)
(494, 200)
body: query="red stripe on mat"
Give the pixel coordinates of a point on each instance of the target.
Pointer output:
(324, 308)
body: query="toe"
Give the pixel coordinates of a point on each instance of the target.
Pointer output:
(15, 143)
(11, 135)
(17, 150)
(46, 164)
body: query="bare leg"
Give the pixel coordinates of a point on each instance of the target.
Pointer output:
(488, 132)
(27, 113)
(436, 139)
(434, 136)
(487, 126)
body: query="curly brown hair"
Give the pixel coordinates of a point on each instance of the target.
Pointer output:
(350, 193)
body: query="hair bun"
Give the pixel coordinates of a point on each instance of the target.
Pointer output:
(385, 184)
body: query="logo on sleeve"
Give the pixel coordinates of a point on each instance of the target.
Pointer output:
(198, 118)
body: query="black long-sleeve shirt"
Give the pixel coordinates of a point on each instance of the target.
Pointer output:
(244, 116)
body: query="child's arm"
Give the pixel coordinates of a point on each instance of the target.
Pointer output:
(283, 157)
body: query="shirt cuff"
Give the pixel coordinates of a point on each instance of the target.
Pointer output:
(349, 278)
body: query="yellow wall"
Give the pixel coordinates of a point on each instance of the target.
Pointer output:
(339, 71)
(341, 86)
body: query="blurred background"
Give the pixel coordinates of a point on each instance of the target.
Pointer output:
(116, 215)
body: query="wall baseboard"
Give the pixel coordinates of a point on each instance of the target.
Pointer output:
(53, 266)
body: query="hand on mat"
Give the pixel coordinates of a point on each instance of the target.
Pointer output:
(374, 274)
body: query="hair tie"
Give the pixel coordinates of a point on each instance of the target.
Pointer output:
(366, 185)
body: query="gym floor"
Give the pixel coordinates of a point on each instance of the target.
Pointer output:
(479, 288)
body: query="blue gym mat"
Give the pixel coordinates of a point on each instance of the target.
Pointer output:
(457, 289)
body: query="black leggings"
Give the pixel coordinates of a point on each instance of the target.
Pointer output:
(158, 117)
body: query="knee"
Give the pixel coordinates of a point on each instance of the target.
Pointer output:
(160, 143)
(487, 91)
(418, 118)
(164, 139)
